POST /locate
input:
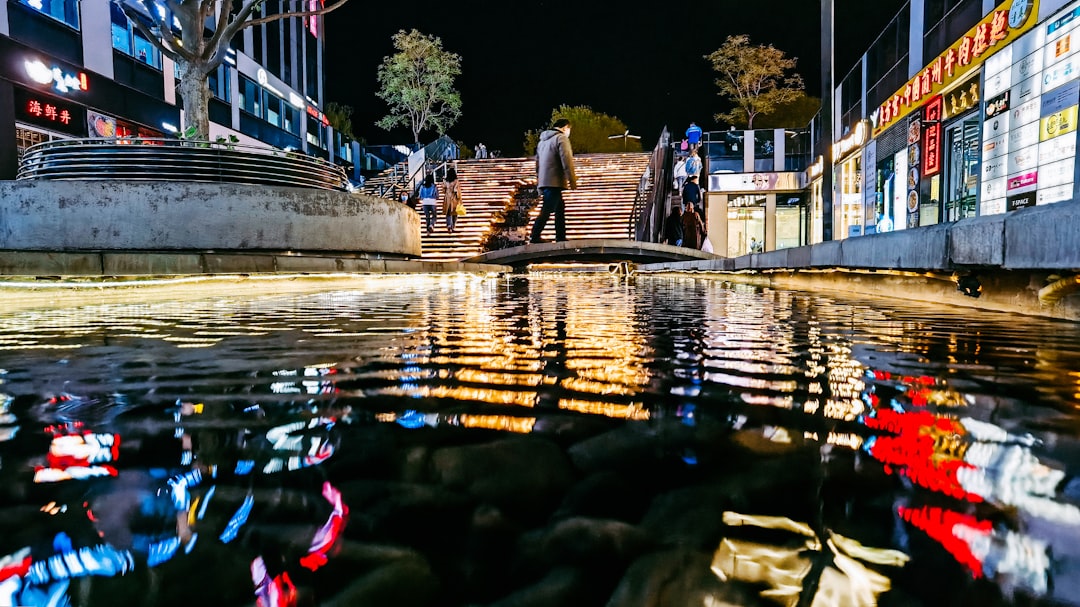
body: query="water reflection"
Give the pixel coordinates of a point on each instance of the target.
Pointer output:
(456, 441)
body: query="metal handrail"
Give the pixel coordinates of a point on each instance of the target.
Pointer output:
(149, 159)
(646, 220)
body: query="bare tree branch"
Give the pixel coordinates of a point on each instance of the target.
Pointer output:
(164, 42)
(315, 13)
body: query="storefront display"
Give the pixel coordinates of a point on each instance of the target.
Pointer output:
(746, 224)
(792, 221)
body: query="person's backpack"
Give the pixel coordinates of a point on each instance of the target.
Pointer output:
(693, 165)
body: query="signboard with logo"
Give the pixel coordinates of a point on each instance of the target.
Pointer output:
(1036, 133)
(50, 113)
(962, 98)
(756, 182)
(990, 35)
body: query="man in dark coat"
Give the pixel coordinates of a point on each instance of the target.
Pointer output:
(554, 173)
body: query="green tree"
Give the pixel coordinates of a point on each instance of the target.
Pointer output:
(795, 113)
(418, 84)
(755, 79)
(590, 134)
(340, 117)
(196, 34)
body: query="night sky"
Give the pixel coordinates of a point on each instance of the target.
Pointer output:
(520, 60)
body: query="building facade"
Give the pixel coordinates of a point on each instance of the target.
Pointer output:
(960, 108)
(77, 68)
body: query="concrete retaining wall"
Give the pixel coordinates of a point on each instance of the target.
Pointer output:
(1011, 257)
(1038, 238)
(80, 216)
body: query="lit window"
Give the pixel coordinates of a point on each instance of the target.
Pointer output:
(126, 40)
(64, 11)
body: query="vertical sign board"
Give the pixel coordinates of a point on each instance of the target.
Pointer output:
(869, 187)
(931, 144)
(1057, 115)
(995, 159)
(913, 174)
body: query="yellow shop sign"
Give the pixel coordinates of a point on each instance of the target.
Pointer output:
(1058, 123)
(990, 35)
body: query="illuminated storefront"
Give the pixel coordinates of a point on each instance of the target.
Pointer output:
(757, 212)
(942, 138)
(848, 159)
(53, 99)
(74, 70)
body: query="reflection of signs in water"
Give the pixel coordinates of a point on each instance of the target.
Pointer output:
(785, 567)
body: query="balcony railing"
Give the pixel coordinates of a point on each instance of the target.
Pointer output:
(177, 160)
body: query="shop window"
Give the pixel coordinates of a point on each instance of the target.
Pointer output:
(746, 225)
(64, 11)
(851, 200)
(792, 221)
(26, 136)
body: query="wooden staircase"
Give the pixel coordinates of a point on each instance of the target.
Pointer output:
(599, 208)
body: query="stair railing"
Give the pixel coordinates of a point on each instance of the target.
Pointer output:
(646, 219)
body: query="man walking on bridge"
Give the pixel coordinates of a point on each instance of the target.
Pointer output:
(554, 173)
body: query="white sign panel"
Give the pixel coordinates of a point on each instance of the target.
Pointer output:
(1057, 173)
(756, 182)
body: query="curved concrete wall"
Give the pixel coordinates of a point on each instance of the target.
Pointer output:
(171, 216)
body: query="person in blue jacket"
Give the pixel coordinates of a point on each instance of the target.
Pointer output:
(693, 136)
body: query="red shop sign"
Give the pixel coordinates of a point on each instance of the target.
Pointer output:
(931, 143)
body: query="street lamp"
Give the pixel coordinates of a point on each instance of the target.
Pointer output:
(626, 135)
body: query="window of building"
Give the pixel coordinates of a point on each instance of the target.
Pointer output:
(273, 46)
(260, 102)
(292, 119)
(746, 225)
(273, 109)
(886, 60)
(946, 22)
(792, 221)
(851, 98)
(26, 136)
(316, 134)
(129, 41)
(64, 11)
(219, 83)
(290, 52)
(311, 67)
(250, 96)
(851, 200)
(257, 42)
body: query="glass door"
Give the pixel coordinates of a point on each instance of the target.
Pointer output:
(961, 169)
